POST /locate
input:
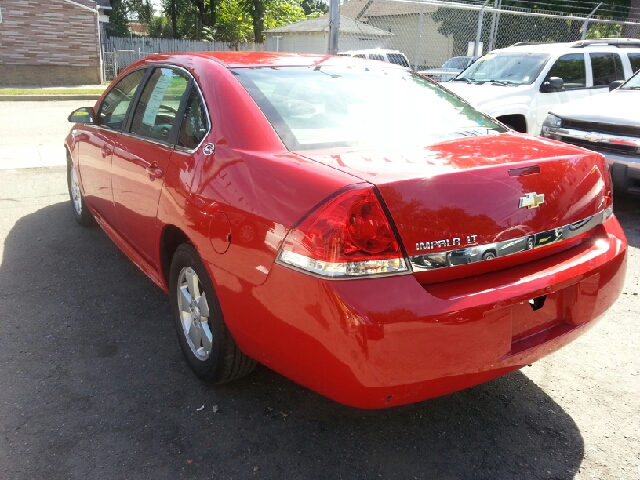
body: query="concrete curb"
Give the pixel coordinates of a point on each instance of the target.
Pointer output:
(32, 98)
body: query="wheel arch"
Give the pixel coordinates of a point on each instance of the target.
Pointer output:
(516, 121)
(170, 239)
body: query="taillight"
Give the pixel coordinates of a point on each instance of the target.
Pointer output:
(348, 236)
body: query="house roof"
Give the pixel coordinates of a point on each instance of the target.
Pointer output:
(363, 9)
(103, 3)
(321, 24)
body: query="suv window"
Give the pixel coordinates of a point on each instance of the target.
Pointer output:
(571, 69)
(156, 111)
(195, 123)
(634, 59)
(113, 108)
(397, 59)
(606, 67)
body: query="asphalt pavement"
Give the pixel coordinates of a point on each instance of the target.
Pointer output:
(93, 384)
(32, 132)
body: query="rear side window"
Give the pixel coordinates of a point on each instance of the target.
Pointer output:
(571, 69)
(195, 124)
(156, 111)
(606, 68)
(634, 59)
(397, 59)
(113, 108)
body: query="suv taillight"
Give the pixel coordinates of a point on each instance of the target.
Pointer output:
(347, 236)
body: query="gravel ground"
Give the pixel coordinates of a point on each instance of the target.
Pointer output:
(93, 385)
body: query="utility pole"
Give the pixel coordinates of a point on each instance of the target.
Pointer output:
(334, 26)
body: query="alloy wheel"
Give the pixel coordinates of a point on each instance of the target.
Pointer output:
(194, 313)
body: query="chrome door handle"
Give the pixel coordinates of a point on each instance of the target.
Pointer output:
(154, 171)
(106, 151)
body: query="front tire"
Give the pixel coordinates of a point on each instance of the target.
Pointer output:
(80, 211)
(204, 338)
(488, 256)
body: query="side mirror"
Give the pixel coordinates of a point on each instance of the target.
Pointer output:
(82, 115)
(616, 84)
(553, 84)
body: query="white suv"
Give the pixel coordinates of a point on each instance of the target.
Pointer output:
(520, 84)
(382, 54)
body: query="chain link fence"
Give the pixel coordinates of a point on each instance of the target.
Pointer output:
(118, 53)
(430, 32)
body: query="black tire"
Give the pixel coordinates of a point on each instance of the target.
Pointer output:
(224, 361)
(78, 206)
(488, 256)
(530, 243)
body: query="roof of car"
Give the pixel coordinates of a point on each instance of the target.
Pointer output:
(258, 59)
(600, 44)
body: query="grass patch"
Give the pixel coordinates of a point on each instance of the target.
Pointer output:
(51, 91)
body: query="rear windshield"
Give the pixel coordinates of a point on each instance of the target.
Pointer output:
(366, 105)
(512, 68)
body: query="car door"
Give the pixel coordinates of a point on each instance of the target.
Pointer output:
(572, 68)
(98, 141)
(140, 160)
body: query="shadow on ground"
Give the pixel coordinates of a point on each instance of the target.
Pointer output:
(627, 210)
(93, 385)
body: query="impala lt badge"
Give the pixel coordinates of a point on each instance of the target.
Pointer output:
(448, 242)
(531, 200)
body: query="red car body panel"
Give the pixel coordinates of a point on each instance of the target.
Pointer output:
(373, 342)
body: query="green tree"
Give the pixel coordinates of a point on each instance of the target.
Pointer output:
(228, 20)
(314, 8)
(118, 19)
(123, 11)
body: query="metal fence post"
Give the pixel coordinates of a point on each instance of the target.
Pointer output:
(476, 50)
(418, 39)
(495, 20)
(586, 21)
(334, 26)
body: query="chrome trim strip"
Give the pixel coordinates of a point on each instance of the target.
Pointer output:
(595, 137)
(480, 253)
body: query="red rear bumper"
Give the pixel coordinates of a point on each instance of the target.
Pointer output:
(389, 341)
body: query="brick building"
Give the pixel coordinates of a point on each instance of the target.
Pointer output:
(51, 42)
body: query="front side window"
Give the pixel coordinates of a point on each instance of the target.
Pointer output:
(363, 106)
(113, 109)
(634, 59)
(156, 111)
(513, 68)
(195, 123)
(571, 69)
(606, 68)
(633, 83)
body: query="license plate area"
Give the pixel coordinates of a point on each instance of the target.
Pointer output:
(535, 315)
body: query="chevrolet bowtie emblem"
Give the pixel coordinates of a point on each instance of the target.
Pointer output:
(531, 200)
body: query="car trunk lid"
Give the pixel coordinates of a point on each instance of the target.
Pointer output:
(481, 190)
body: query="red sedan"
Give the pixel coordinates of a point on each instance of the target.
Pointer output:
(347, 223)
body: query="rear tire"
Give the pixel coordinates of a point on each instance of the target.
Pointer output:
(80, 211)
(204, 338)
